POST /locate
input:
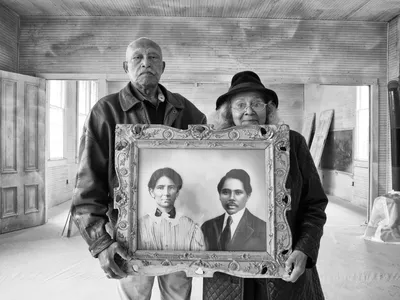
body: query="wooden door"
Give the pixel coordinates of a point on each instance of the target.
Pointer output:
(22, 151)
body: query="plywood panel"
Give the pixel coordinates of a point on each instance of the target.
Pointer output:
(321, 132)
(31, 127)
(8, 126)
(308, 127)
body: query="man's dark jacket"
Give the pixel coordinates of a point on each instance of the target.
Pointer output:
(250, 234)
(96, 179)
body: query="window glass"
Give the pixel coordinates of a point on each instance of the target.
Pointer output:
(56, 93)
(87, 97)
(362, 123)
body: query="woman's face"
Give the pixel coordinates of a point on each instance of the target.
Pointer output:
(165, 193)
(248, 108)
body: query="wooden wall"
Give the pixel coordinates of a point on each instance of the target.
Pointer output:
(204, 96)
(209, 49)
(9, 30)
(205, 51)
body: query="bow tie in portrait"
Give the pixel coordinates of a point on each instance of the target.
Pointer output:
(171, 213)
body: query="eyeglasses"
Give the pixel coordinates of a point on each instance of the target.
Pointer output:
(242, 106)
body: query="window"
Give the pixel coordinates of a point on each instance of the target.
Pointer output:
(86, 98)
(362, 123)
(56, 92)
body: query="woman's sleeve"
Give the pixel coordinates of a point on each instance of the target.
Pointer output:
(197, 243)
(310, 217)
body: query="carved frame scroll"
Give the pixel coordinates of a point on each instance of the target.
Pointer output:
(273, 140)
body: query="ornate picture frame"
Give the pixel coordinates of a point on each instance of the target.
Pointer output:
(202, 155)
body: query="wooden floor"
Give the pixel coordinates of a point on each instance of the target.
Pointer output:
(38, 263)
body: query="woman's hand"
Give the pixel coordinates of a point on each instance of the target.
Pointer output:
(295, 266)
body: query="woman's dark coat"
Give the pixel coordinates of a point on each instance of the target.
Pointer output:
(306, 220)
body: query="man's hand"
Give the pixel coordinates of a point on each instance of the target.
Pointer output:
(295, 266)
(107, 261)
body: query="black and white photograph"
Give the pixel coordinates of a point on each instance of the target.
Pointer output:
(200, 195)
(200, 150)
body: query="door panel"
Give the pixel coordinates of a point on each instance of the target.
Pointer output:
(22, 156)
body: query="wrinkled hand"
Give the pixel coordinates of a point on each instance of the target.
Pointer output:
(107, 261)
(295, 266)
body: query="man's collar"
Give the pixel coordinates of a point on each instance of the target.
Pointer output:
(130, 97)
(235, 217)
(138, 94)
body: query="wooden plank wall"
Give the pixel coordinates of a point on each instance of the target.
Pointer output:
(9, 29)
(204, 96)
(211, 50)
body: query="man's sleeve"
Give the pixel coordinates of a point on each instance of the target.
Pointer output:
(311, 215)
(90, 199)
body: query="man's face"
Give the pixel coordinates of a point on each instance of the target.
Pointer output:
(165, 193)
(233, 197)
(144, 63)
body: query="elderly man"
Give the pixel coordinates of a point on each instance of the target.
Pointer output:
(142, 101)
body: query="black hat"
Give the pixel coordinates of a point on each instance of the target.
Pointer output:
(246, 81)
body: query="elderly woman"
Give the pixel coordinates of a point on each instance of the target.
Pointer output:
(249, 102)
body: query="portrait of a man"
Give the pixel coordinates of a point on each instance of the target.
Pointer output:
(237, 229)
(166, 228)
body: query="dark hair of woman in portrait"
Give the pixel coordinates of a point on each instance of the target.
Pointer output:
(167, 172)
(249, 102)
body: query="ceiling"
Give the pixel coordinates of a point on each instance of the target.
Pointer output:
(341, 10)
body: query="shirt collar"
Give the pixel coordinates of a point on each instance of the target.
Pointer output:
(235, 217)
(141, 97)
(130, 97)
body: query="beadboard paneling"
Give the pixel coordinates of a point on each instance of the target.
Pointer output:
(204, 95)
(9, 27)
(344, 10)
(209, 49)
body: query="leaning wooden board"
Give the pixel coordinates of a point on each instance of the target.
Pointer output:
(321, 132)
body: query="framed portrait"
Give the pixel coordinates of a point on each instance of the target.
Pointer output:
(202, 200)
